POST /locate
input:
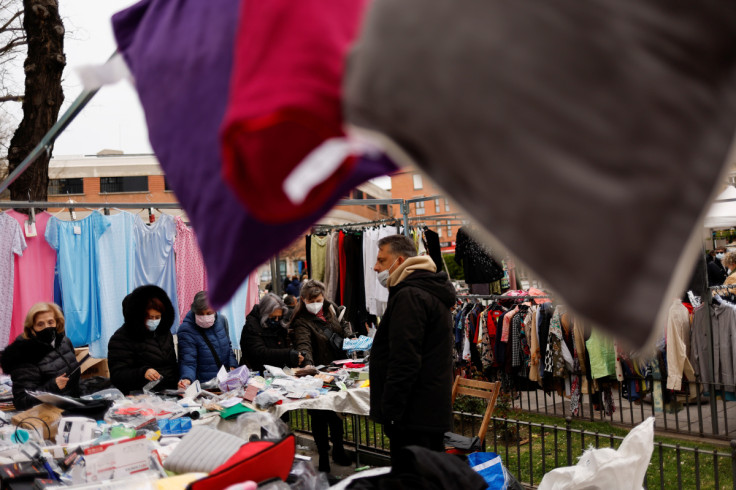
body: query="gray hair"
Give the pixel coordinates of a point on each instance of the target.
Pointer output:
(399, 245)
(311, 289)
(200, 302)
(729, 259)
(270, 303)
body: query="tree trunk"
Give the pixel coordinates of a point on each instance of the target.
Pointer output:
(43, 96)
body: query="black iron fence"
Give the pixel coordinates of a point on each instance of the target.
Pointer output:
(529, 450)
(699, 409)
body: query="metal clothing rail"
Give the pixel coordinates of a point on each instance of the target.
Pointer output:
(501, 296)
(76, 205)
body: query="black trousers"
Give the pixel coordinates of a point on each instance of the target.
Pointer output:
(401, 437)
(322, 420)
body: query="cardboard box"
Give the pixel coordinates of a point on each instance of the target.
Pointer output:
(43, 418)
(92, 366)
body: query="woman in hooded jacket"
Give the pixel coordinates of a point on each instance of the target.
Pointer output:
(265, 339)
(42, 357)
(142, 349)
(314, 322)
(204, 343)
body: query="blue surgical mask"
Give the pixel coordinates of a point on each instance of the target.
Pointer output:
(383, 275)
(152, 325)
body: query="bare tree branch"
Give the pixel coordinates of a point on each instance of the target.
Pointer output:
(11, 98)
(10, 21)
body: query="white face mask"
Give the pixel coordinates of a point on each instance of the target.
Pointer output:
(204, 321)
(720, 256)
(314, 308)
(152, 324)
(383, 275)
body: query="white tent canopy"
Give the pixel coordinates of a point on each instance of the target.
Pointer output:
(722, 213)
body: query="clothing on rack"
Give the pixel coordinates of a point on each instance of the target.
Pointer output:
(432, 240)
(318, 253)
(76, 243)
(155, 262)
(34, 272)
(12, 244)
(478, 264)
(678, 346)
(191, 276)
(332, 266)
(116, 256)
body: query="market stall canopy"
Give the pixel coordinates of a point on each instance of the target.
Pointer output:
(722, 213)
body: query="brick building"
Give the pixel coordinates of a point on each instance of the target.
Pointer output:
(410, 183)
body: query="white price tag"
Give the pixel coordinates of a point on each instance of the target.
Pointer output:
(77, 230)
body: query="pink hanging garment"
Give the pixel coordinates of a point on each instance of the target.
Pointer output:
(285, 100)
(34, 272)
(191, 276)
(11, 242)
(253, 297)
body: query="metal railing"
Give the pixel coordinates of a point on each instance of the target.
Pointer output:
(529, 450)
(699, 409)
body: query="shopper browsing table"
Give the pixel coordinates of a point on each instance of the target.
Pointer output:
(142, 350)
(264, 339)
(314, 323)
(42, 357)
(204, 343)
(411, 358)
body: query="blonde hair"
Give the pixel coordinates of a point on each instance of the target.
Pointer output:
(43, 308)
(729, 259)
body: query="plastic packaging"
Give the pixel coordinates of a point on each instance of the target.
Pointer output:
(138, 412)
(306, 477)
(237, 378)
(267, 398)
(257, 425)
(106, 394)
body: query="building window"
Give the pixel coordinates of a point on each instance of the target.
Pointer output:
(439, 231)
(372, 207)
(123, 184)
(358, 194)
(62, 187)
(383, 209)
(449, 229)
(447, 206)
(419, 208)
(167, 187)
(418, 182)
(436, 206)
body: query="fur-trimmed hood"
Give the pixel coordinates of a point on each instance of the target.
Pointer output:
(134, 310)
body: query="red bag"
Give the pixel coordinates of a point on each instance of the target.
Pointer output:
(257, 461)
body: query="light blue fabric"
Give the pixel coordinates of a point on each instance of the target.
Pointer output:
(116, 276)
(77, 259)
(154, 258)
(235, 312)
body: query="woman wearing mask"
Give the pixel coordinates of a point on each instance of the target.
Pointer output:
(42, 357)
(142, 350)
(264, 339)
(314, 322)
(204, 343)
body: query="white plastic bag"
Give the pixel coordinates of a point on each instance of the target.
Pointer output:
(608, 468)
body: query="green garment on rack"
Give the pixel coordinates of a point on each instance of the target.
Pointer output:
(602, 355)
(318, 254)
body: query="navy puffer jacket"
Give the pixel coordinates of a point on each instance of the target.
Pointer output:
(195, 357)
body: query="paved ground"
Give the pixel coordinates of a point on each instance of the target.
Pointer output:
(306, 447)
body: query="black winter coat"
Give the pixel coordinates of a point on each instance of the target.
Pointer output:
(133, 349)
(411, 359)
(35, 365)
(265, 345)
(310, 339)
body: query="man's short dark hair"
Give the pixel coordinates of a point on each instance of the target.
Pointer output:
(399, 245)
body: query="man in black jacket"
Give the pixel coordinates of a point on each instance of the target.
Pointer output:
(411, 357)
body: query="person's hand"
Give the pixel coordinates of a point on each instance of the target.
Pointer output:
(152, 375)
(232, 369)
(61, 381)
(301, 358)
(183, 383)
